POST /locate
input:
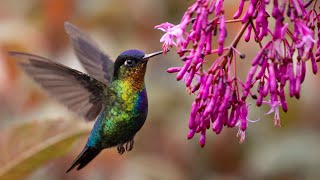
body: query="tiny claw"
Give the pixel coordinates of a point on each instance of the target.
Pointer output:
(121, 149)
(129, 145)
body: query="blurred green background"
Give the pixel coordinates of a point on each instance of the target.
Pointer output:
(39, 139)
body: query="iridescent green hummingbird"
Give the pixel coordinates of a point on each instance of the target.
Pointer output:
(114, 93)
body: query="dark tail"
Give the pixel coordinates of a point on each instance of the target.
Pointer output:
(86, 155)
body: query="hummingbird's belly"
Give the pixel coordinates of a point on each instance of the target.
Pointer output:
(117, 126)
(120, 122)
(121, 130)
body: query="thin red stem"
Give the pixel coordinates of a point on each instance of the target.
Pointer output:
(235, 43)
(255, 32)
(233, 21)
(315, 3)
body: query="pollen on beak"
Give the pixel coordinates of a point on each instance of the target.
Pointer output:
(148, 56)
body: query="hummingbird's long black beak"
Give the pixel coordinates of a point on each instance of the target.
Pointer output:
(148, 56)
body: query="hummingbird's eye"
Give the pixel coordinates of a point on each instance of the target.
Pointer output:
(129, 62)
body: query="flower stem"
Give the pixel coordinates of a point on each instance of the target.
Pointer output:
(314, 6)
(235, 42)
(238, 37)
(255, 32)
(226, 21)
(232, 21)
(307, 4)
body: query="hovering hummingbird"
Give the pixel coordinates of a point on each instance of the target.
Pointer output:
(114, 93)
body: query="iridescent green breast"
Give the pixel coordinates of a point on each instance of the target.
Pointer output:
(123, 119)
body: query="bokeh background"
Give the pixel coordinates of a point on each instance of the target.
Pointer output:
(39, 138)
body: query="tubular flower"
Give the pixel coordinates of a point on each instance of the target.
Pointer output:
(285, 51)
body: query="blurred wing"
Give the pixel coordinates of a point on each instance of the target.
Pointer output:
(76, 90)
(95, 62)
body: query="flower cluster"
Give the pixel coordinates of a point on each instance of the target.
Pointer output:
(221, 97)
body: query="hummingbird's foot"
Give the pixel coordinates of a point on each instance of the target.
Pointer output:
(125, 147)
(129, 145)
(121, 149)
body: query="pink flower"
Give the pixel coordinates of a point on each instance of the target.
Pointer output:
(242, 135)
(307, 38)
(274, 109)
(173, 35)
(243, 122)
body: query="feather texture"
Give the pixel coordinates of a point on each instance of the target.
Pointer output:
(95, 62)
(87, 155)
(79, 92)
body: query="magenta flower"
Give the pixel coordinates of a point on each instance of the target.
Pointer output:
(306, 37)
(243, 122)
(285, 51)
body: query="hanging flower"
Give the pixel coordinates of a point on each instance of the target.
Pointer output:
(220, 96)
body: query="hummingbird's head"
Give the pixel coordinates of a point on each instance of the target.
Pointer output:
(132, 64)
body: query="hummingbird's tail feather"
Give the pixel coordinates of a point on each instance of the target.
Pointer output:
(86, 155)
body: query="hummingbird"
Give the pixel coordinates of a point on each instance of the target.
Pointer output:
(113, 92)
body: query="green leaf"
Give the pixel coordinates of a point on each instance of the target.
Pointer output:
(28, 146)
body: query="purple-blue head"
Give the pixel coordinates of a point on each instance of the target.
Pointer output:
(132, 64)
